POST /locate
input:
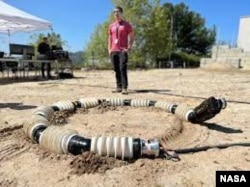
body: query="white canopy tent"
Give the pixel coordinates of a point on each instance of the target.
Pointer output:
(13, 20)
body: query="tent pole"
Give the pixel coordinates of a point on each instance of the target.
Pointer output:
(9, 41)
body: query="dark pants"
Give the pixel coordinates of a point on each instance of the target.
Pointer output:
(43, 65)
(119, 61)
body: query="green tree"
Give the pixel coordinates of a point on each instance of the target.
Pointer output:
(189, 32)
(96, 51)
(158, 38)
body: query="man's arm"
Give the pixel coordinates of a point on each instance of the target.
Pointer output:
(39, 48)
(131, 36)
(109, 43)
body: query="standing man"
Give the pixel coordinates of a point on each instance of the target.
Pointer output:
(44, 49)
(121, 39)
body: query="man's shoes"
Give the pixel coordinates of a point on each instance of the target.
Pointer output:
(117, 90)
(124, 91)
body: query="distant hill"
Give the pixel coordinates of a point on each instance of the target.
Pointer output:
(76, 57)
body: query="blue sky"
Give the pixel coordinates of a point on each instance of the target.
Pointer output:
(75, 20)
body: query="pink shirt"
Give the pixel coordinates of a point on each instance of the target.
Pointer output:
(118, 31)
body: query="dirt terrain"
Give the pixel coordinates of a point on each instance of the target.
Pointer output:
(25, 163)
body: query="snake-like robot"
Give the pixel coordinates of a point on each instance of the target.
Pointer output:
(61, 140)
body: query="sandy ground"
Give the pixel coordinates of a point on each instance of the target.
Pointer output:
(24, 163)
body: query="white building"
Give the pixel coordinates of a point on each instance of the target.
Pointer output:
(239, 56)
(244, 34)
